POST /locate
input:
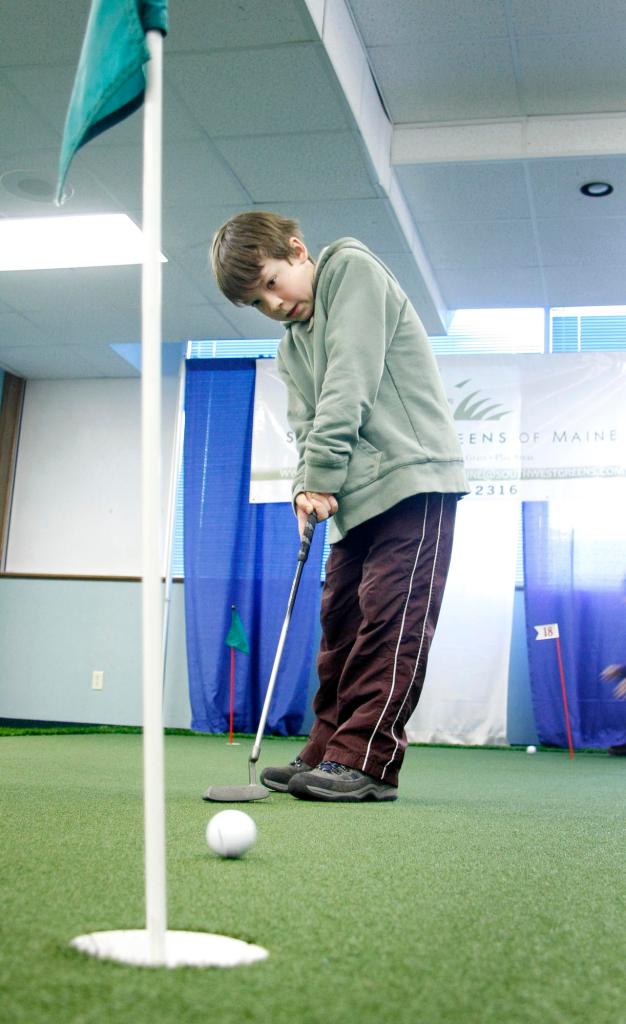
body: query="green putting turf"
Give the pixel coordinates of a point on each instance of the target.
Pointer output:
(491, 891)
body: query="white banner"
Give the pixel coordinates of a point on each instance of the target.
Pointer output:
(274, 457)
(467, 679)
(531, 426)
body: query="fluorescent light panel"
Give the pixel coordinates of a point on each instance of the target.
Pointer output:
(48, 243)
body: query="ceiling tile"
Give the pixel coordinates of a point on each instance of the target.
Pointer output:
(555, 186)
(596, 284)
(280, 105)
(22, 128)
(536, 17)
(322, 165)
(191, 170)
(80, 289)
(102, 325)
(105, 362)
(32, 31)
(423, 19)
(228, 25)
(200, 322)
(461, 79)
(52, 362)
(467, 191)
(490, 288)
(571, 243)
(19, 330)
(573, 74)
(479, 244)
(179, 289)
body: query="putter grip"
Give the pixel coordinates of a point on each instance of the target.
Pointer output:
(307, 537)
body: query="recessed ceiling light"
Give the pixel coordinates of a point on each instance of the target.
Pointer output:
(596, 189)
(48, 243)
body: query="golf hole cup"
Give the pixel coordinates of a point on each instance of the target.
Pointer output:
(231, 833)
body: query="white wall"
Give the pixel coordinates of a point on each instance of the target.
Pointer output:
(77, 501)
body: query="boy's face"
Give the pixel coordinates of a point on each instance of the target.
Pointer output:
(285, 291)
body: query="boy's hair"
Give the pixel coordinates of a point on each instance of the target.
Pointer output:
(241, 245)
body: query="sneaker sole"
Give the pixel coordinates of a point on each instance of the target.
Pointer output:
(356, 796)
(282, 787)
(278, 787)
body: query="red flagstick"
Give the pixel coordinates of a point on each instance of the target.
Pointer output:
(564, 693)
(232, 694)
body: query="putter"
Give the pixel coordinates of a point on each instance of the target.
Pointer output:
(254, 791)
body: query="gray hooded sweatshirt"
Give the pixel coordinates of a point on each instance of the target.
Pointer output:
(365, 399)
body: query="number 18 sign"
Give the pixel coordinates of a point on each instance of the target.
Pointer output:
(550, 631)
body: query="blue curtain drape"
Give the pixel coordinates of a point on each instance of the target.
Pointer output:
(242, 554)
(574, 568)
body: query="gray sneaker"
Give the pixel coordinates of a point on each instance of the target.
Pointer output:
(337, 782)
(278, 778)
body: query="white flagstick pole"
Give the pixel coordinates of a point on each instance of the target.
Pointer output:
(154, 945)
(154, 786)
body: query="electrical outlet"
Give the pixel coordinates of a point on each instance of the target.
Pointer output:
(97, 680)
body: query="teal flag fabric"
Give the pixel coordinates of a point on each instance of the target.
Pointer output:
(110, 82)
(236, 636)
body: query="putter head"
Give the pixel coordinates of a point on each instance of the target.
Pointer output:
(235, 794)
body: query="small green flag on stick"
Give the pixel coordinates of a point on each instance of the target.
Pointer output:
(110, 81)
(236, 636)
(235, 639)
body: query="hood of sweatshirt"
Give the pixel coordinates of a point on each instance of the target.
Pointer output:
(329, 251)
(343, 243)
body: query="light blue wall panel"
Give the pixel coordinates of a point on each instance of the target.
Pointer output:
(55, 633)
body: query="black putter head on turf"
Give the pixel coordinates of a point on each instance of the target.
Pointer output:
(235, 794)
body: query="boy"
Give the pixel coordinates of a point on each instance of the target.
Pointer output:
(377, 451)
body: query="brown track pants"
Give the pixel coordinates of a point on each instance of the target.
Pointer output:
(384, 586)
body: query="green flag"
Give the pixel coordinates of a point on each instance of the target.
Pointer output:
(110, 82)
(236, 636)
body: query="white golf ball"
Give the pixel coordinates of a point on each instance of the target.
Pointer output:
(231, 833)
(531, 749)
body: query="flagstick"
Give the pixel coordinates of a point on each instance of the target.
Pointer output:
(564, 695)
(154, 946)
(232, 694)
(154, 797)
